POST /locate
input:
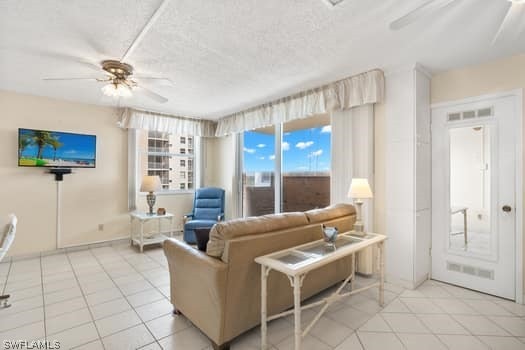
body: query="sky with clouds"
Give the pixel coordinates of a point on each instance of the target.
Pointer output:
(305, 150)
(72, 146)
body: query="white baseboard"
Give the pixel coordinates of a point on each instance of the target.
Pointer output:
(69, 248)
(421, 281)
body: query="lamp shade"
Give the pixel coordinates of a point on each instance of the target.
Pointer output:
(359, 188)
(150, 184)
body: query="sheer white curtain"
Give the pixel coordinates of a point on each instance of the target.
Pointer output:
(353, 154)
(133, 179)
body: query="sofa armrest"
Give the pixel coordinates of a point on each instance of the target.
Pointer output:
(198, 287)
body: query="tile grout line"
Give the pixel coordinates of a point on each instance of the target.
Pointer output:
(359, 340)
(155, 287)
(450, 315)
(429, 299)
(395, 333)
(125, 297)
(85, 300)
(454, 318)
(398, 297)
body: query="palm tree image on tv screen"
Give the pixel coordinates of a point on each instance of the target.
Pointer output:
(43, 148)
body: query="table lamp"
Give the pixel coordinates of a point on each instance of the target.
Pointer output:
(359, 190)
(150, 184)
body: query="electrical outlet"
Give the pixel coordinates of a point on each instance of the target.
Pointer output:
(101, 227)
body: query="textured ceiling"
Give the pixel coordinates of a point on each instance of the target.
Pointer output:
(227, 55)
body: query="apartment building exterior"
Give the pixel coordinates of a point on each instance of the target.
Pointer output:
(171, 157)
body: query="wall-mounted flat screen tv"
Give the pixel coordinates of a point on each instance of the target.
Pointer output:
(55, 149)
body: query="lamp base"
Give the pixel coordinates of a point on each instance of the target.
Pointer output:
(151, 199)
(359, 226)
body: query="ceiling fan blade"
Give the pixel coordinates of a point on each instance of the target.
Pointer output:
(423, 10)
(138, 39)
(64, 57)
(511, 12)
(167, 81)
(151, 94)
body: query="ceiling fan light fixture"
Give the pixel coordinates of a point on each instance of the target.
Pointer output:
(116, 90)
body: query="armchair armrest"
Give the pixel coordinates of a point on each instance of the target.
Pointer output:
(197, 283)
(187, 218)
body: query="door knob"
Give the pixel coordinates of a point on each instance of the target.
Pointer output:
(506, 208)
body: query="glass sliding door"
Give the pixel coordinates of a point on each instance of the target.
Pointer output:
(301, 180)
(258, 175)
(306, 162)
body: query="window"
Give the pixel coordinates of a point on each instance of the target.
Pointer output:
(305, 172)
(160, 154)
(258, 175)
(302, 178)
(182, 140)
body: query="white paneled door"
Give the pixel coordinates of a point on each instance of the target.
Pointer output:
(474, 193)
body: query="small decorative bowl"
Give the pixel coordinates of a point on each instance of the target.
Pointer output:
(330, 234)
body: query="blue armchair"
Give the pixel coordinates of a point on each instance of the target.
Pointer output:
(208, 209)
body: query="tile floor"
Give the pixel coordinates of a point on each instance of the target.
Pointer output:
(116, 298)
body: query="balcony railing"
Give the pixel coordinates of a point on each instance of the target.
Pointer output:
(299, 193)
(154, 165)
(158, 149)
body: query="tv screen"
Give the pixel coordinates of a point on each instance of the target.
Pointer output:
(55, 149)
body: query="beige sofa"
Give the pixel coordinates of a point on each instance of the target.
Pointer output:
(219, 291)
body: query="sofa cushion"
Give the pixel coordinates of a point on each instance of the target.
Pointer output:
(193, 224)
(329, 213)
(226, 230)
(206, 213)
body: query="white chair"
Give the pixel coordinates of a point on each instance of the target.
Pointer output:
(8, 236)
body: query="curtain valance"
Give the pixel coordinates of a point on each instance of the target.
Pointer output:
(343, 94)
(137, 119)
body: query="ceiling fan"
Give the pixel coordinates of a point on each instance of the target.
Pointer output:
(119, 82)
(431, 6)
(118, 74)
